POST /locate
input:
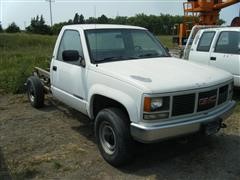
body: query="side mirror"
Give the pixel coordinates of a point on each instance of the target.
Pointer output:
(70, 55)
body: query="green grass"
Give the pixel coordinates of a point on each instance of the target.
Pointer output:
(167, 41)
(19, 53)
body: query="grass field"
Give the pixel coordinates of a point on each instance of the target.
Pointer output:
(167, 41)
(19, 53)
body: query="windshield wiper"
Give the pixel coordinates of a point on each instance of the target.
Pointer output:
(153, 55)
(116, 58)
(149, 55)
(131, 57)
(109, 58)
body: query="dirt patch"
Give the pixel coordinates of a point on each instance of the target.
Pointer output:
(58, 142)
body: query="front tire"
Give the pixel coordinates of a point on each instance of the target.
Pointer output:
(35, 92)
(113, 136)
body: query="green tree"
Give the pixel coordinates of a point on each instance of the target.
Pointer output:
(41, 21)
(1, 29)
(157, 24)
(76, 19)
(120, 20)
(91, 20)
(81, 19)
(102, 19)
(56, 28)
(220, 22)
(13, 28)
(38, 26)
(70, 21)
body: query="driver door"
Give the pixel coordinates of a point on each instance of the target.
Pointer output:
(68, 76)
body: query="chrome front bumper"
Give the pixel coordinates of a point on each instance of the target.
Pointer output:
(148, 132)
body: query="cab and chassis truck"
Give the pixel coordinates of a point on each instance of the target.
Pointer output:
(124, 80)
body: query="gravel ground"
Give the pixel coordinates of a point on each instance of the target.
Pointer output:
(57, 142)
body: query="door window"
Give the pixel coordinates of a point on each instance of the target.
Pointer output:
(205, 41)
(70, 41)
(228, 42)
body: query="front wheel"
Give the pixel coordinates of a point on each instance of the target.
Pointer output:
(113, 136)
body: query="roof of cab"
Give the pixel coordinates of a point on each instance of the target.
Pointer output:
(101, 26)
(222, 29)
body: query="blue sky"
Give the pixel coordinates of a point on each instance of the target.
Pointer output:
(21, 11)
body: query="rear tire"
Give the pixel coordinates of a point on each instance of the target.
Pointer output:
(113, 136)
(35, 92)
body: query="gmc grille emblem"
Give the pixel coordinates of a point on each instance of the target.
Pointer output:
(207, 100)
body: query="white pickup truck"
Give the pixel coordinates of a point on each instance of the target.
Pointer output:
(218, 47)
(123, 78)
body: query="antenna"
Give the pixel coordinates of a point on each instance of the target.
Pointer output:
(50, 7)
(95, 15)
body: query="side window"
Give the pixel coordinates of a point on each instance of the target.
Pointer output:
(70, 41)
(205, 41)
(228, 42)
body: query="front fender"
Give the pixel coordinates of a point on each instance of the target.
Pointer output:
(119, 96)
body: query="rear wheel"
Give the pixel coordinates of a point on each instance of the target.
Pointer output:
(35, 92)
(113, 136)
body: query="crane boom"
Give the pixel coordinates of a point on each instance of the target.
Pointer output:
(222, 5)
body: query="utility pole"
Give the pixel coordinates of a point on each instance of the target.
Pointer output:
(1, 12)
(50, 7)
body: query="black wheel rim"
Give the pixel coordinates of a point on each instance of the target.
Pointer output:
(107, 138)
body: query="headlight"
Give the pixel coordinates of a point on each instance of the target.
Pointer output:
(156, 104)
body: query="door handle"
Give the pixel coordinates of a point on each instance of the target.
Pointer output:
(213, 58)
(54, 68)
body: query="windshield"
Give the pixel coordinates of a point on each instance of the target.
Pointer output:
(122, 44)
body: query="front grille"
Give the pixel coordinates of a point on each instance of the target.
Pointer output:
(223, 94)
(196, 101)
(207, 100)
(183, 104)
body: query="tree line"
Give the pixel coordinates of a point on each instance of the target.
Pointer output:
(162, 24)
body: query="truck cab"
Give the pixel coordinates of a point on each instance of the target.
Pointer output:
(218, 47)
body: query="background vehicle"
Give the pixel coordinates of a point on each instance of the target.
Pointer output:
(123, 78)
(201, 12)
(219, 47)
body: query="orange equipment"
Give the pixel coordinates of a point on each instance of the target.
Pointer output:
(200, 12)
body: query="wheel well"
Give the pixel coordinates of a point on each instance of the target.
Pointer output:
(101, 102)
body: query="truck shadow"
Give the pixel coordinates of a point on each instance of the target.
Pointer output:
(86, 126)
(215, 157)
(4, 171)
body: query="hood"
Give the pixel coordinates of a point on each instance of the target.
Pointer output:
(160, 75)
